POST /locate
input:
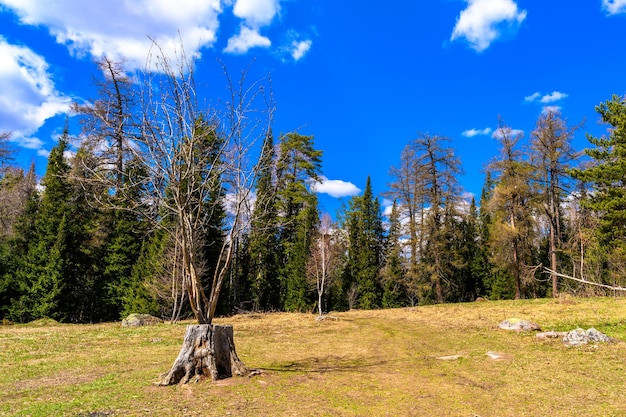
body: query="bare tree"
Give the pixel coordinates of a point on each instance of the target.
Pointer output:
(108, 123)
(552, 154)
(187, 152)
(324, 259)
(426, 189)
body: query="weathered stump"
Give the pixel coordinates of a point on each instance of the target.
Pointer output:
(208, 351)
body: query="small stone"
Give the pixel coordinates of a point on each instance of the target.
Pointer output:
(497, 356)
(137, 320)
(450, 357)
(519, 325)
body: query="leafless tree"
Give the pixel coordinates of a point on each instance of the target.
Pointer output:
(186, 152)
(324, 259)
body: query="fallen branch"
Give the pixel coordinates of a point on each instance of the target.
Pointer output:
(610, 287)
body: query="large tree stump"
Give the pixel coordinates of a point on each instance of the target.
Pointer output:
(208, 351)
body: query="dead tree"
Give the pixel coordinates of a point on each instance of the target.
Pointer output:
(188, 153)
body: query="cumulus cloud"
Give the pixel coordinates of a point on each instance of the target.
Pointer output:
(614, 6)
(256, 13)
(335, 188)
(547, 99)
(246, 39)
(553, 96)
(28, 96)
(300, 49)
(533, 97)
(499, 133)
(484, 21)
(476, 132)
(119, 28)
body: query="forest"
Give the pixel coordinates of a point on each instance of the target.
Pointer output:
(163, 207)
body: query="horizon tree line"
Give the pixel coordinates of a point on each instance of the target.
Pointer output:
(174, 210)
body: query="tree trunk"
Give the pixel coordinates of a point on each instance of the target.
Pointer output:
(208, 351)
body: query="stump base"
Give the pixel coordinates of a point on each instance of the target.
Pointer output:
(208, 351)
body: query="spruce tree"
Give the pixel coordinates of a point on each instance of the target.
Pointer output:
(45, 267)
(263, 244)
(365, 250)
(393, 273)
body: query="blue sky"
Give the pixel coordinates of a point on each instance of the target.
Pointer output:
(363, 77)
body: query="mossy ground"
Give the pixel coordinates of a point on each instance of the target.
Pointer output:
(365, 363)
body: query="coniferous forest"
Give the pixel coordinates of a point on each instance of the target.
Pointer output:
(160, 206)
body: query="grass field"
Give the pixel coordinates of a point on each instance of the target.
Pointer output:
(364, 363)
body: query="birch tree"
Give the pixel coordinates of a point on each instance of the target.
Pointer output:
(324, 260)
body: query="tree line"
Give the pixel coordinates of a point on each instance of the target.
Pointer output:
(167, 208)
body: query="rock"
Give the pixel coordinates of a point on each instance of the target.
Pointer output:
(519, 325)
(137, 320)
(579, 336)
(450, 357)
(550, 335)
(498, 356)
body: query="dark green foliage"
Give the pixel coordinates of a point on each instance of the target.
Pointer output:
(298, 164)
(361, 278)
(263, 239)
(608, 173)
(393, 273)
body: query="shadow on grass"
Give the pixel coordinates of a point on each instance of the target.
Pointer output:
(326, 364)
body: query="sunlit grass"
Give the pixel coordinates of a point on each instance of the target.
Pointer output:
(364, 363)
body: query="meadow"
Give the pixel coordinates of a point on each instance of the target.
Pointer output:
(423, 361)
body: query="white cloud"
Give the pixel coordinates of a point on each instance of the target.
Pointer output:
(257, 13)
(532, 97)
(545, 99)
(551, 109)
(246, 39)
(120, 28)
(482, 21)
(300, 49)
(335, 188)
(28, 96)
(614, 6)
(500, 132)
(475, 132)
(552, 97)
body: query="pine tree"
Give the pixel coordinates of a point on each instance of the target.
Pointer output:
(607, 177)
(608, 173)
(299, 164)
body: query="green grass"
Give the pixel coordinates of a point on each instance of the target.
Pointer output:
(365, 363)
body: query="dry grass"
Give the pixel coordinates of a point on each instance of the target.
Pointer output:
(365, 363)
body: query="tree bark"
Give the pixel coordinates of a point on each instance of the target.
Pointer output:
(208, 351)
